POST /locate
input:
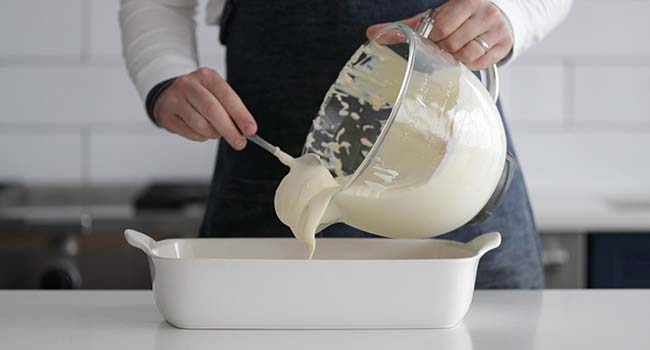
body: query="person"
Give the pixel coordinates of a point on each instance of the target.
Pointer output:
(281, 58)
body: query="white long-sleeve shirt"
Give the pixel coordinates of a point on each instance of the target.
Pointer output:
(159, 43)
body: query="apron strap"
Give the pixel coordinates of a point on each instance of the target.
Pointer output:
(224, 20)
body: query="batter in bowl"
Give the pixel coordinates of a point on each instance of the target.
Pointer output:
(428, 177)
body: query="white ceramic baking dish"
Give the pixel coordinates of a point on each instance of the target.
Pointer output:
(350, 283)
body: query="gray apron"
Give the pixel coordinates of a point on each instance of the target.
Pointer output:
(281, 58)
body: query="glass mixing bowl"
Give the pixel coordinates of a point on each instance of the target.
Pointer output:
(400, 115)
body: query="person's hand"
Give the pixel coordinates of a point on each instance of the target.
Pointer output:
(459, 28)
(201, 106)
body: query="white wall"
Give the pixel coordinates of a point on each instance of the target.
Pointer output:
(576, 103)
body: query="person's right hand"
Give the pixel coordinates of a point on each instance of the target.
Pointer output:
(201, 106)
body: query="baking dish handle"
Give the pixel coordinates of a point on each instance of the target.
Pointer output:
(485, 242)
(140, 241)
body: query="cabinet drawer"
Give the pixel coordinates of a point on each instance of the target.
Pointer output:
(619, 260)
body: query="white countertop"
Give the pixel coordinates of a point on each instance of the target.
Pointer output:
(521, 320)
(581, 212)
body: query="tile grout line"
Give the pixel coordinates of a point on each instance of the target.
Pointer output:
(72, 127)
(86, 31)
(64, 60)
(569, 94)
(85, 153)
(631, 60)
(115, 60)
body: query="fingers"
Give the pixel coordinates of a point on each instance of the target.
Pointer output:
(229, 100)
(450, 16)
(457, 23)
(411, 22)
(491, 57)
(201, 105)
(197, 121)
(473, 50)
(176, 125)
(174, 113)
(485, 22)
(472, 28)
(374, 29)
(500, 42)
(208, 112)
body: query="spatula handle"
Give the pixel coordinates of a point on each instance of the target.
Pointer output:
(262, 143)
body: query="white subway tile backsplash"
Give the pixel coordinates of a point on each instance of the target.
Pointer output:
(606, 162)
(81, 94)
(105, 28)
(207, 36)
(600, 28)
(534, 93)
(40, 157)
(552, 95)
(138, 157)
(40, 27)
(612, 94)
(216, 62)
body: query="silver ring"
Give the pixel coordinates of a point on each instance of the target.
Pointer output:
(484, 45)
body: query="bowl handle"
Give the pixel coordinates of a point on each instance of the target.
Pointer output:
(140, 241)
(485, 242)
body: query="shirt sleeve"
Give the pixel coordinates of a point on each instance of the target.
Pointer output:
(531, 20)
(152, 97)
(158, 40)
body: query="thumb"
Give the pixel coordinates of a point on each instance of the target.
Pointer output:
(373, 29)
(411, 22)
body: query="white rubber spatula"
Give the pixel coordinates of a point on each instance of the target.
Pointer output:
(262, 143)
(274, 150)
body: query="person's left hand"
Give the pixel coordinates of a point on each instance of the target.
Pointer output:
(474, 31)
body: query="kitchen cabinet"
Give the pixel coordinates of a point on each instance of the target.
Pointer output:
(69, 237)
(619, 260)
(596, 260)
(596, 240)
(71, 262)
(565, 260)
